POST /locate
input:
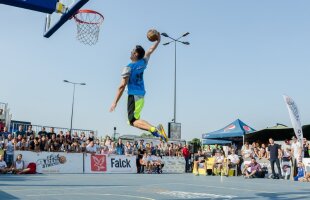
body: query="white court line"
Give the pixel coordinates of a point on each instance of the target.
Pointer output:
(228, 187)
(92, 194)
(195, 195)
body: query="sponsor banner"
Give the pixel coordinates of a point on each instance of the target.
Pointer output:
(53, 162)
(97, 163)
(265, 163)
(306, 162)
(173, 164)
(295, 117)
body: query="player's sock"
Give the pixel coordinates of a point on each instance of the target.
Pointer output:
(154, 132)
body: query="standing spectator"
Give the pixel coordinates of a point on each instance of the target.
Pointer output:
(52, 132)
(186, 155)
(120, 150)
(68, 136)
(91, 136)
(20, 131)
(5, 133)
(274, 152)
(305, 148)
(296, 153)
(42, 132)
(208, 151)
(9, 146)
(29, 131)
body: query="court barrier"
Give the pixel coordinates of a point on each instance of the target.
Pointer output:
(306, 162)
(61, 162)
(173, 164)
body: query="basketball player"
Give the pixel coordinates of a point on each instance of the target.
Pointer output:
(132, 77)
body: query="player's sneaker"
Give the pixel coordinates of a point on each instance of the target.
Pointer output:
(161, 131)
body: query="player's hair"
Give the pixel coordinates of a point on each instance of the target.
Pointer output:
(140, 51)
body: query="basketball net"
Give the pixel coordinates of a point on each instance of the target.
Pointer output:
(88, 26)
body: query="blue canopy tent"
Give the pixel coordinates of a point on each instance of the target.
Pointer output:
(235, 131)
(210, 142)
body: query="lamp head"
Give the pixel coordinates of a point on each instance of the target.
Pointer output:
(165, 34)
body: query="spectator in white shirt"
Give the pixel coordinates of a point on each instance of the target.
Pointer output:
(91, 148)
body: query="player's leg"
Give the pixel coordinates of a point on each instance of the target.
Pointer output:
(134, 107)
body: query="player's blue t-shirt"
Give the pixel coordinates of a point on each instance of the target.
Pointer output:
(135, 72)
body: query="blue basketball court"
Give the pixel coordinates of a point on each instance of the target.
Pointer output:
(147, 186)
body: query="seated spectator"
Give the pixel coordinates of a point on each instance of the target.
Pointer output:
(3, 167)
(91, 148)
(200, 160)
(65, 147)
(83, 138)
(75, 136)
(105, 150)
(20, 168)
(253, 170)
(246, 151)
(306, 178)
(300, 171)
(262, 152)
(128, 149)
(120, 147)
(144, 162)
(36, 144)
(43, 143)
(112, 149)
(75, 146)
(218, 163)
(232, 160)
(256, 153)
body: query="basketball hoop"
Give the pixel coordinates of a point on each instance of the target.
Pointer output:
(88, 26)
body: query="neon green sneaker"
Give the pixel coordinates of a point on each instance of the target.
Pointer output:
(162, 132)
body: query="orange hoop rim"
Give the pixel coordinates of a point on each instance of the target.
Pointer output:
(100, 20)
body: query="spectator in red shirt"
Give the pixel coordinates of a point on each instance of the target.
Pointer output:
(186, 155)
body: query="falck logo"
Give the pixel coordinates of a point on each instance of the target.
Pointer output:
(98, 163)
(230, 127)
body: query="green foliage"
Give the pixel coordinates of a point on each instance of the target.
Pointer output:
(146, 135)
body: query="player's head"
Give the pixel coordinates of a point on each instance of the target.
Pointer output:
(137, 53)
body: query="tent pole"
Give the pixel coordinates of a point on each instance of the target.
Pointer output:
(243, 140)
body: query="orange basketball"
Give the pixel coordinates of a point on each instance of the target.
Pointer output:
(152, 35)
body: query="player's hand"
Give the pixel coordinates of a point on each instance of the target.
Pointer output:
(159, 37)
(113, 106)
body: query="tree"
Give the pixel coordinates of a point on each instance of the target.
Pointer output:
(146, 135)
(196, 144)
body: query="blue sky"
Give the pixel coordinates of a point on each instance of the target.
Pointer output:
(243, 56)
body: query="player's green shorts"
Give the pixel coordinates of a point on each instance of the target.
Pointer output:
(134, 107)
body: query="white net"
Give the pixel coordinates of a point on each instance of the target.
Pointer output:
(88, 26)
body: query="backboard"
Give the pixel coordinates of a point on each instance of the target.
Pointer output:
(55, 20)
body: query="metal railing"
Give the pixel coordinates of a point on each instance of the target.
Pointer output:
(37, 128)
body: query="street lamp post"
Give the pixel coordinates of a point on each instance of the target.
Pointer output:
(66, 81)
(175, 65)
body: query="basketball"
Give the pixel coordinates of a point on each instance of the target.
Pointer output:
(152, 35)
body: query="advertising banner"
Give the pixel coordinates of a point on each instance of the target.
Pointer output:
(53, 162)
(173, 164)
(96, 163)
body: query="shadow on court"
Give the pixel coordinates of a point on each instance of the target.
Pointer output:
(6, 196)
(284, 195)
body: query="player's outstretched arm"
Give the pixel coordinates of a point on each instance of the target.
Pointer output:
(119, 92)
(153, 47)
